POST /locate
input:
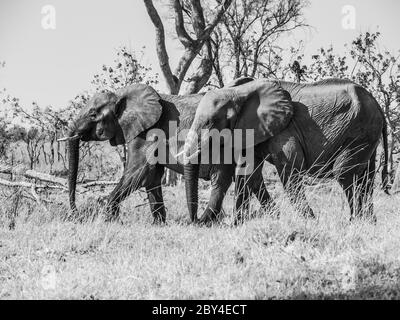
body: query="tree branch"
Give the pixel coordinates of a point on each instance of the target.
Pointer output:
(183, 36)
(161, 48)
(207, 31)
(204, 71)
(197, 17)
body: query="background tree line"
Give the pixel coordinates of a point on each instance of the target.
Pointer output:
(220, 40)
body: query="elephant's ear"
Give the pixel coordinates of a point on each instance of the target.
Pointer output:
(265, 107)
(138, 108)
(238, 82)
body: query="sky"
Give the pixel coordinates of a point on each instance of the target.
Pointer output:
(51, 66)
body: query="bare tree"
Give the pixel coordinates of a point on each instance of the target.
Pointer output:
(248, 36)
(193, 28)
(44, 127)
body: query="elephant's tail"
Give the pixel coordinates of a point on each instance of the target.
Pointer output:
(385, 181)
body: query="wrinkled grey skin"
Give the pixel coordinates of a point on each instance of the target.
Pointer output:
(126, 117)
(334, 130)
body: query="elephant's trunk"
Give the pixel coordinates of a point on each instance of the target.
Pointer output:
(191, 174)
(73, 148)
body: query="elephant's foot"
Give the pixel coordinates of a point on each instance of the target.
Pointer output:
(269, 208)
(370, 217)
(190, 221)
(158, 219)
(113, 218)
(112, 215)
(209, 217)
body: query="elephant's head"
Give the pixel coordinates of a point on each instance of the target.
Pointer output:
(260, 105)
(118, 117)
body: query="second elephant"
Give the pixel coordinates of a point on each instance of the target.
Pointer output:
(329, 128)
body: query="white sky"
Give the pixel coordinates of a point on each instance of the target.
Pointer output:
(52, 66)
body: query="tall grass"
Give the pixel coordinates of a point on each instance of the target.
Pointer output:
(45, 256)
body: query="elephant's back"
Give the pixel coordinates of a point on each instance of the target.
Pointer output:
(331, 114)
(186, 106)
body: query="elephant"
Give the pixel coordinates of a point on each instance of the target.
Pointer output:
(127, 117)
(326, 129)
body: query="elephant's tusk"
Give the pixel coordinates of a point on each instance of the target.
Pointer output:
(186, 159)
(179, 154)
(68, 138)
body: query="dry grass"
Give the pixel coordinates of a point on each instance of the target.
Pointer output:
(42, 256)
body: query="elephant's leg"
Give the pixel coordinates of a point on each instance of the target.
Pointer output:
(291, 175)
(156, 200)
(221, 179)
(130, 181)
(154, 194)
(293, 184)
(263, 196)
(242, 194)
(258, 188)
(120, 192)
(288, 157)
(358, 187)
(357, 181)
(251, 184)
(367, 189)
(348, 185)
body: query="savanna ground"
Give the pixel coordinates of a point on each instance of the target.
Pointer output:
(44, 256)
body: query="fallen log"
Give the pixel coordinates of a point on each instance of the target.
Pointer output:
(25, 184)
(98, 183)
(44, 177)
(31, 174)
(81, 188)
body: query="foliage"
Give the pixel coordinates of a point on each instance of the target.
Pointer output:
(379, 71)
(327, 64)
(5, 138)
(126, 70)
(247, 42)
